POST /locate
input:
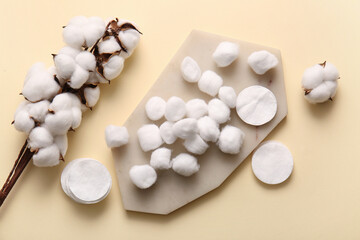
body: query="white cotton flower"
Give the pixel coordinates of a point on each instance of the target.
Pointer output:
(149, 137)
(47, 156)
(185, 164)
(92, 32)
(86, 60)
(61, 142)
(38, 110)
(208, 129)
(113, 67)
(231, 139)
(60, 122)
(210, 83)
(130, 39)
(155, 108)
(166, 132)
(23, 122)
(65, 65)
(116, 136)
(92, 95)
(175, 109)
(195, 144)
(35, 69)
(196, 108)
(73, 36)
(78, 78)
(185, 128)
(225, 53)
(143, 176)
(64, 101)
(219, 111)
(262, 61)
(190, 70)
(228, 96)
(161, 159)
(69, 51)
(109, 45)
(40, 137)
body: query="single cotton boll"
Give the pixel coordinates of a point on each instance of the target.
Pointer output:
(40, 137)
(312, 77)
(91, 95)
(92, 32)
(64, 101)
(76, 117)
(23, 122)
(47, 157)
(155, 108)
(65, 65)
(262, 61)
(185, 128)
(149, 137)
(35, 69)
(40, 86)
(78, 78)
(69, 51)
(113, 67)
(190, 70)
(109, 45)
(208, 129)
(60, 122)
(231, 139)
(73, 36)
(61, 142)
(86, 60)
(226, 53)
(228, 96)
(175, 109)
(38, 110)
(330, 72)
(196, 145)
(185, 164)
(219, 111)
(143, 176)
(130, 39)
(196, 108)
(166, 132)
(160, 159)
(116, 136)
(210, 83)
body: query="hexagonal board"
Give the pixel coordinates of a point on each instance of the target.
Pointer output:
(171, 190)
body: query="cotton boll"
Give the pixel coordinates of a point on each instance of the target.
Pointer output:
(35, 69)
(38, 110)
(130, 39)
(175, 109)
(225, 54)
(40, 137)
(330, 72)
(65, 65)
(143, 176)
(231, 139)
(113, 67)
(109, 45)
(228, 96)
(262, 61)
(312, 77)
(210, 83)
(219, 111)
(319, 94)
(78, 78)
(64, 101)
(116, 136)
(23, 122)
(160, 159)
(331, 86)
(208, 129)
(190, 70)
(166, 132)
(196, 108)
(185, 164)
(40, 86)
(86, 60)
(196, 145)
(185, 128)
(155, 108)
(73, 36)
(149, 137)
(92, 32)
(76, 117)
(92, 96)
(61, 142)
(69, 51)
(60, 122)
(47, 157)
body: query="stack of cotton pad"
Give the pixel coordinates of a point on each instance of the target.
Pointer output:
(86, 181)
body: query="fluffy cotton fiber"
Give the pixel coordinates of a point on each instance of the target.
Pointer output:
(219, 111)
(175, 109)
(196, 145)
(225, 54)
(231, 139)
(228, 96)
(185, 128)
(143, 176)
(166, 132)
(116, 136)
(262, 61)
(196, 108)
(208, 129)
(155, 108)
(210, 83)
(149, 137)
(185, 164)
(161, 159)
(190, 70)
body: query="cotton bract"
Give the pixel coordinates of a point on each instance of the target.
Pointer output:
(196, 108)
(231, 139)
(262, 61)
(225, 53)
(161, 159)
(190, 70)
(149, 137)
(116, 136)
(185, 164)
(143, 176)
(210, 83)
(155, 108)
(219, 111)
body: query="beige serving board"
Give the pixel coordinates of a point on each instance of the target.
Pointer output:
(172, 191)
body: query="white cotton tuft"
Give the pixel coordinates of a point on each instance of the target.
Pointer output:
(113, 67)
(226, 53)
(64, 101)
(185, 128)
(312, 77)
(23, 122)
(62, 143)
(60, 122)
(175, 109)
(78, 78)
(130, 39)
(116, 136)
(190, 70)
(69, 51)
(210, 83)
(92, 32)
(86, 60)
(196, 145)
(219, 111)
(76, 117)
(92, 95)
(73, 36)
(319, 94)
(196, 108)
(38, 110)
(40, 137)
(78, 21)
(185, 164)
(166, 132)
(155, 108)
(228, 96)
(208, 129)
(149, 137)
(161, 159)
(109, 45)
(231, 139)
(47, 156)
(35, 69)
(262, 61)
(330, 72)
(143, 176)
(65, 65)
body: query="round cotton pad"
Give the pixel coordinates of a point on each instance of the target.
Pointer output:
(256, 105)
(272, 162)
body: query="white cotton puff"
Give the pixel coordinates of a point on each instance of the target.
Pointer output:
(92, 95)
(34, 69)
(208, 129)
(262, 61)
(143, 176)
(196, 108)
(219, 111)
(185, 128)
(62, 143)
(166, 132)
(47, 157)
(225, 53)
(161, 159)
(86, 60)
(195, 144)
(113, 67)
(228, 96)
(23, 122)
(185, 164)
(210, 83)
(149, 137)
(330, 72)
(76, 117)
(65, 65)
(231, 139)
(155, 108)
(69, 51)
(40, 137)
(60, 122)
(312, 77)
(130, 39)
(78, 78)
(38, 110)
(73, 36)
(116, 136)
(190, 70)
(109, 45)
(175, 109)
(64, 101)
(93, 30)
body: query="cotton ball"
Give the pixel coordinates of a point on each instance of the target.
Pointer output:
(160, 159)
(76, 117)
(86, 60)
(64, 101)
(61, 142)
(78, 78)
(330, 72)
(185, 128)
(228, 96)
(155, 108)
(190, 70)
(23, 122)
(175, 109)
(47, 157)
(92, 95)
(109, 45)
(38, 110)
(60, 122)
(219, 111)
(208, 129)
(185, 164)
(113, 67)
(143, 176)
(225, 53)
(196, 145)
(116, 136)
(40, 137)
(196, 108)
(262, 61)
(312, 77)
(149, 137)
(166, 132)
(65, 65)
(73, 36)
(69, 51)
(210, 83)
(231, 139)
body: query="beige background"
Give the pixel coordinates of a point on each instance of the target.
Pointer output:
(321, 200)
